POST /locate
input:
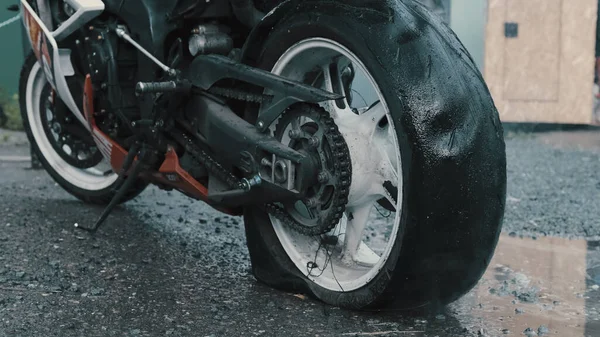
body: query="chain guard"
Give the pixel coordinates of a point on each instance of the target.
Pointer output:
(341, 165)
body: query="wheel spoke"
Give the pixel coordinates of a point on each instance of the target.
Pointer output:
(327, 80)
(354, 250)
(384, 145)
(296, 125)
(388, 168)
(373, 116)
(319, 134)
(349, 256)
(332, 81)
(384, 192)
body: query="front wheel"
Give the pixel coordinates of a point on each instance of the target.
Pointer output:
(65, 148)
(428, 168)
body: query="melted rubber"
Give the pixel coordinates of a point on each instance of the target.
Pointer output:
(448, 120)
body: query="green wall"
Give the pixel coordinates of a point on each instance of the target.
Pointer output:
(11, 56)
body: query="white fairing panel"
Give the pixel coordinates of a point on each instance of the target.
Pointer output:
(85, 10)
(57, 62)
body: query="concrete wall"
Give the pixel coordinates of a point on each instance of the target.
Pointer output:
(468, 19)
(544, 73)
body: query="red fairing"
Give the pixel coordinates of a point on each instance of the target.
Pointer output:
(112, 151)
(170, 172)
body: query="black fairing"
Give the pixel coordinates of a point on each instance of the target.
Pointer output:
(150, 22)
(147, 22)
(266, 6)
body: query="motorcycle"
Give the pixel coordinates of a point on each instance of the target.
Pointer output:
(357, 138)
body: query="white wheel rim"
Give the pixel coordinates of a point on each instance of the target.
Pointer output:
(361, 252)
(92, 179)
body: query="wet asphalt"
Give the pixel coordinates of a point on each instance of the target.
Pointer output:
(554, 184)
(165, 265)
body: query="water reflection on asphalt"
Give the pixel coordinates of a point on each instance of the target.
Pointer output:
(544, 286)
(547, 286)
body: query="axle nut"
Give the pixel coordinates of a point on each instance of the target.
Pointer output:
(280, 172)
(314, 142)
(323, 177)
(295, 134)
(265, 162)
(312, 202)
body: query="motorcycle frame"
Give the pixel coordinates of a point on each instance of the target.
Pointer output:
(205, 71)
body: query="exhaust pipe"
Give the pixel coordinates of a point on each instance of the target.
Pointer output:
(246, 13)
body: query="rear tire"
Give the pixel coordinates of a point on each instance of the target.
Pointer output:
(85, 184)
(452, 154)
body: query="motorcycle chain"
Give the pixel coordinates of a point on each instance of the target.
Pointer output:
(239, 95)
(207, 161)
(342, 165)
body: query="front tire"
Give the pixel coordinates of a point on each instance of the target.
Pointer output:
(94, 184)
(452, 174)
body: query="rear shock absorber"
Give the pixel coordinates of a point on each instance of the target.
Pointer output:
(209, 39)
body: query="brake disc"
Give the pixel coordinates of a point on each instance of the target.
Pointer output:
(70, 140)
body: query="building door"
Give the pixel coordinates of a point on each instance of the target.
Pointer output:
(539, 59)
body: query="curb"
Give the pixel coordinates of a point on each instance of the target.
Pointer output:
(15, 159)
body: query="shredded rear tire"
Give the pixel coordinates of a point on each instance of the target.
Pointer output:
(453, 153)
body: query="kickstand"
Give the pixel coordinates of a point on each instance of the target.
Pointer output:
(133, 151)
(125, 186)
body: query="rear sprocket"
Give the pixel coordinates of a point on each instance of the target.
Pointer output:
(309, 129)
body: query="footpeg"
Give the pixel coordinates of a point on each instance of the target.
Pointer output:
(142, 88)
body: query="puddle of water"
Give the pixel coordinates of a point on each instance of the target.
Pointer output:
(593, 282)
(594, 262)
(537, 284)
